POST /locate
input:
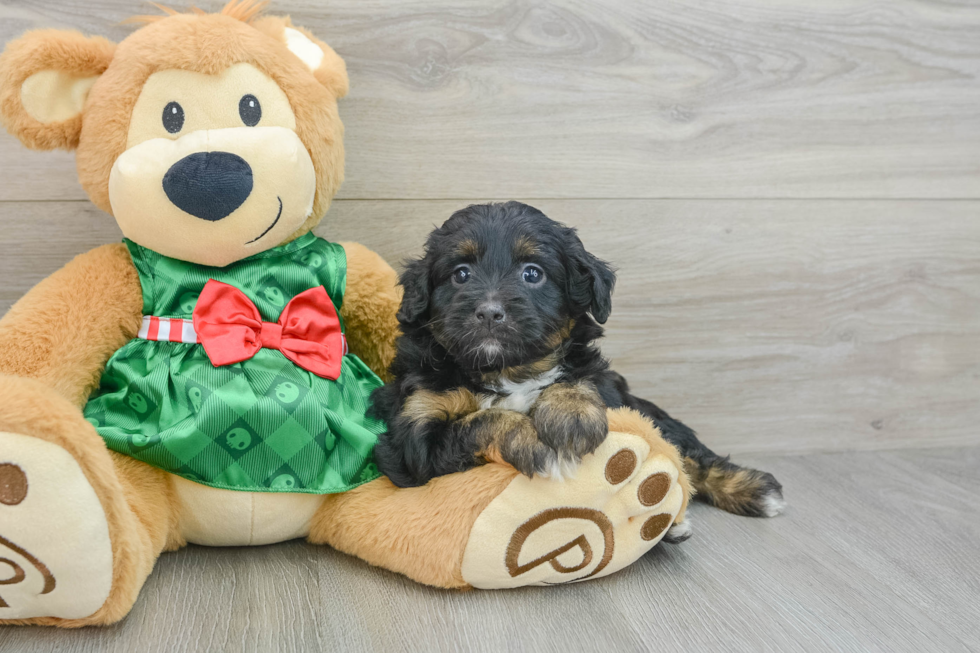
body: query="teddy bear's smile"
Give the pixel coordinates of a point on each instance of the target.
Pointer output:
(269, 228)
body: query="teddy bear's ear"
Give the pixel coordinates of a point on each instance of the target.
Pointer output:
(326, 65)
(45, 77)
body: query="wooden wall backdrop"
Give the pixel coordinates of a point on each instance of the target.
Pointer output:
(790, 190)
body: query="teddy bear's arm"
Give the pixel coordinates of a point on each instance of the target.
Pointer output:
(64, 329)
(370, 305)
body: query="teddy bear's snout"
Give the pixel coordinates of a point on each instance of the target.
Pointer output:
(209, 185)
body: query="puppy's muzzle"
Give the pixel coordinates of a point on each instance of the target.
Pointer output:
(490, 314)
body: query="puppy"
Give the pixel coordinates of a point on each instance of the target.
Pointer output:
(498, 361)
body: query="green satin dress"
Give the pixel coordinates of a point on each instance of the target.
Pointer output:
(263, 424)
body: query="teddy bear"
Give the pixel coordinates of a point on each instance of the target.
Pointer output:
(207, 379)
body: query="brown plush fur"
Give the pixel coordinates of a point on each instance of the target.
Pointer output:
(369, 308)
(49, 49)
(136, 498)
(64, 330)
(420, 532)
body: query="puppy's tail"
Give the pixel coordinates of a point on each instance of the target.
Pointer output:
(739, 490)
(716, 479)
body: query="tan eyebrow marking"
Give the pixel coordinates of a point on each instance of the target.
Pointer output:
(468, 248)
(525, 248)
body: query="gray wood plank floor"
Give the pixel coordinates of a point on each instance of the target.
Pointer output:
(877, 552)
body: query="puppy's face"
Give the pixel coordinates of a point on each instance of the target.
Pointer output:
(500, 285)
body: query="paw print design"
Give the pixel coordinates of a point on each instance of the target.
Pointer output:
(137, 402)
(238, 439)
(43, 492)
(619, 504)
(274, 296)
(283, 482)
(13, 491)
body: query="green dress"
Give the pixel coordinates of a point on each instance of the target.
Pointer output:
(264, 424)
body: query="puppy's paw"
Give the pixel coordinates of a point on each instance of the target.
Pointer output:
(679, 532)
(522, 448)
(571, 420)
(506, 436)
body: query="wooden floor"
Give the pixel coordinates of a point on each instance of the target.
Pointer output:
(791, 193)
(877, 552)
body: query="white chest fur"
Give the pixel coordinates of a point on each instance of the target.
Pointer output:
(518, 396)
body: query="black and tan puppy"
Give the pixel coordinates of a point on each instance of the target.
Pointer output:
(498, 361)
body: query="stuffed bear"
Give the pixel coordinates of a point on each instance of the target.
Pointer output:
(207, 379)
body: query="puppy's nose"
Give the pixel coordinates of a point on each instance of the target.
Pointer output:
(209, 185)
(490, 313)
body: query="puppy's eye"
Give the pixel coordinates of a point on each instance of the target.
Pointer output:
(173, 117)
(250, 110)
(532, 274)
(461, 274)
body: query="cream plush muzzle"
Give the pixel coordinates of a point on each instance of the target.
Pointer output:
(283, 185)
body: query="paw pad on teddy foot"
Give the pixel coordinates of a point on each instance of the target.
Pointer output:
(651, 491)
(620, 503)
(44, 495)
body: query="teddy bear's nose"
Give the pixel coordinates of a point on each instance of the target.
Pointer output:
(209, 185)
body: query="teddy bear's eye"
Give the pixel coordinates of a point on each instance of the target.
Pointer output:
(250, 110)
(173, 117)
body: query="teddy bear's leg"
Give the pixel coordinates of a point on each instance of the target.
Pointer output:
(80, 527)
(490, 527)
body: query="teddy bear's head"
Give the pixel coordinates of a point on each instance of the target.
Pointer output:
(209, 137)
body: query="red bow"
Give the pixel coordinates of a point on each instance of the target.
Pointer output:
(308, 332)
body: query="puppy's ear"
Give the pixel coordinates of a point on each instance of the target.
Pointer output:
(415, 301)
(590, 281)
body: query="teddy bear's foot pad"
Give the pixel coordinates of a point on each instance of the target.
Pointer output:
(619, 504)
(55, 553)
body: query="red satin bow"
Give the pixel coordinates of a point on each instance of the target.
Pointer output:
(308, 332)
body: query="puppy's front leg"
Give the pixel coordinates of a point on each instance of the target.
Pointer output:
(423, 439)
(571, 419)
(437, 433)
(501, 435)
